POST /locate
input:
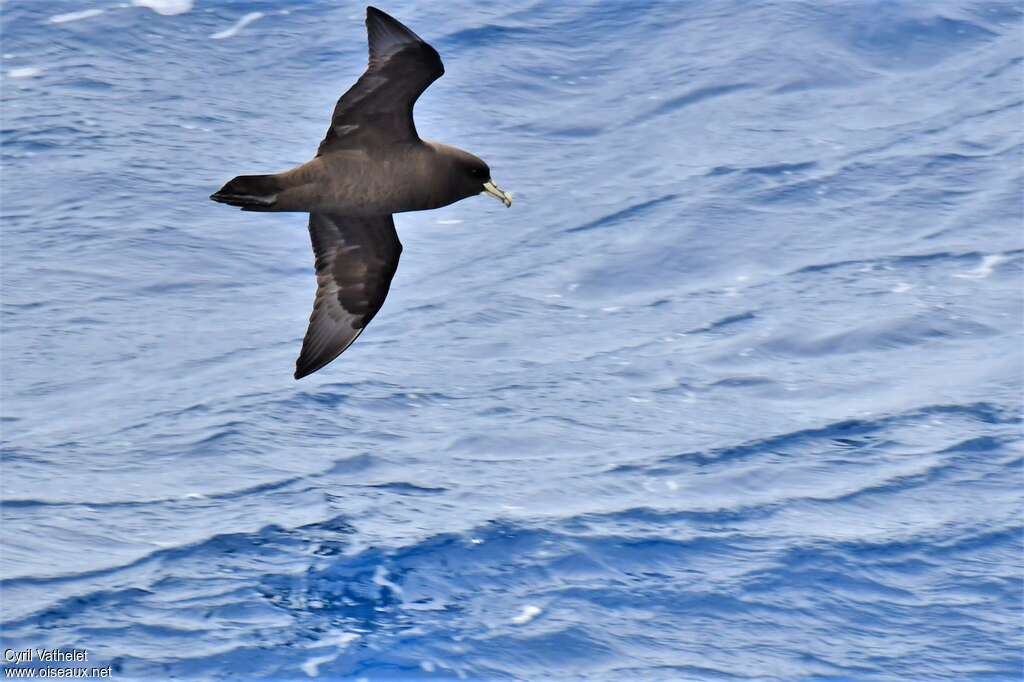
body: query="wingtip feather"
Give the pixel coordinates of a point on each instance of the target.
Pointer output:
(308, 362)
(386, 33)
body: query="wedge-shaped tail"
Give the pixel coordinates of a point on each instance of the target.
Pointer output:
(249, 192)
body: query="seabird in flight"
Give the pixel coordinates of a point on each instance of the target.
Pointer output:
(370, 164)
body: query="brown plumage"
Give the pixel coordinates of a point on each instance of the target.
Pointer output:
(370, 164)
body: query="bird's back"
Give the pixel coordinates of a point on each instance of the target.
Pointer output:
(394, 179)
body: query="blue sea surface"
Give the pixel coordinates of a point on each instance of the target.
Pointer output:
(732, 391)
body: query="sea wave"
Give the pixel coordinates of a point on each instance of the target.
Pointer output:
(733, 390)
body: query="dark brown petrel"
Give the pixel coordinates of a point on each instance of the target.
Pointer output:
(371, 164)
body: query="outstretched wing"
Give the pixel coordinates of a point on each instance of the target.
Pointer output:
(378, 108)
(355, 261)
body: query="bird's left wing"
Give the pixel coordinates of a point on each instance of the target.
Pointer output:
(355, 261)
(378, 108)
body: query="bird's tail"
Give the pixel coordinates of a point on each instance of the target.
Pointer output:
(250, 192)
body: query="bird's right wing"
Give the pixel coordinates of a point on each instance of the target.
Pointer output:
(378, 108)
(355, 261)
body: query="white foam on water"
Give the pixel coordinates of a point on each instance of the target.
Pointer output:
(380, 579)
(987, 267)
(25, 72)
(528, 613)
(75, 16)
(901, 288)
(238, 26)
(312, 666)
(450, 221)
(166, 7)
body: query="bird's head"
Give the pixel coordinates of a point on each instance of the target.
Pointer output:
(471, 175)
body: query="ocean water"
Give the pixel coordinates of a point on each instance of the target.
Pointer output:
(732, 391)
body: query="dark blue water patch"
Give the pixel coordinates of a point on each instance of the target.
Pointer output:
(352, 588)
(377, 595)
